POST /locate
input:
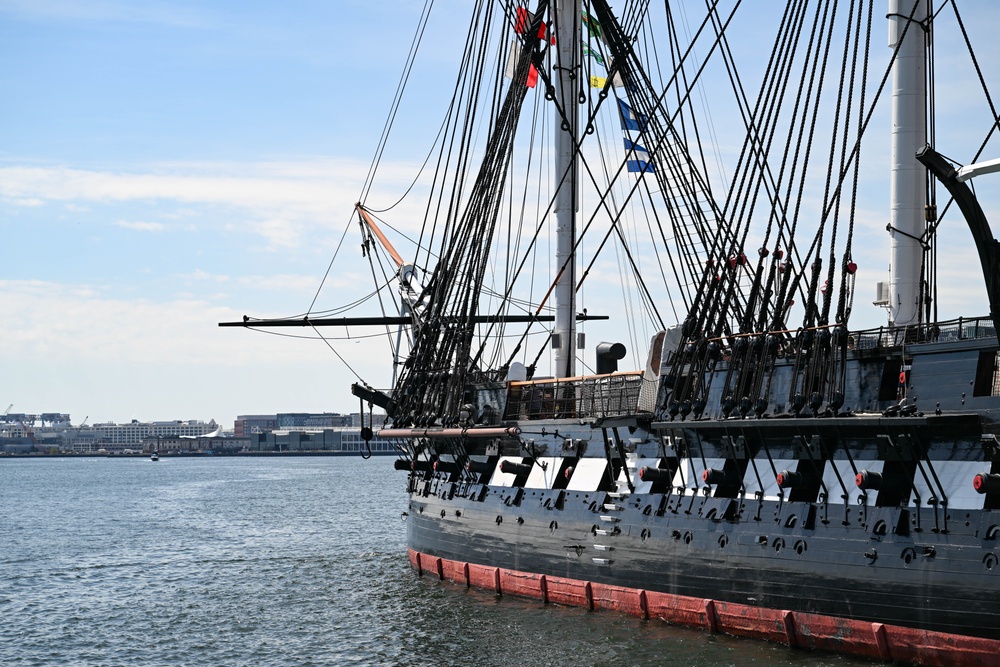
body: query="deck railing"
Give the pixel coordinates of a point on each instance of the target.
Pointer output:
(594, 396)
(964, 328)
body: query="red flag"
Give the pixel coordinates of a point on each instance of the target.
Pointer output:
(515, 54)
(523, 22)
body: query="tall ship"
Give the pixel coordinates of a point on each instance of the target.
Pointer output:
(767, 468)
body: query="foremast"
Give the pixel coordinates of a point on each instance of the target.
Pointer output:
(908, 35)
(566, 80)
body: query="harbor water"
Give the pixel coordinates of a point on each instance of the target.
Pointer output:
(275, 561)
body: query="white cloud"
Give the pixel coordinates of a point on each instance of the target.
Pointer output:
(283, 283)
(281, 233)
(61, 323)
(198, 275)
(141, 226)
(280, 201)
(277, 200)
(291, 285)
(29, 202)
(89, 352)
(237, 187)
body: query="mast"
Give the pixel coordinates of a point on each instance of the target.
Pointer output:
(908, 190)
(566, 78)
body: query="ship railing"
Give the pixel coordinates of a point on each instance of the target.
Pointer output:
(963, 328)
(594, 396)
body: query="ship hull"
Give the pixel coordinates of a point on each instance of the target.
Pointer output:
(796, 629)
(830, 569)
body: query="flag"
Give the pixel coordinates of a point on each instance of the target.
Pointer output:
(637, 158)
(515, 54)
(619, 81)
(601, 81)
(593, 54)
(630, 119)
(592, 25)
(523, 22)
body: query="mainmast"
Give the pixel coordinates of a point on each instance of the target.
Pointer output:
(566, 79)
(908, 190)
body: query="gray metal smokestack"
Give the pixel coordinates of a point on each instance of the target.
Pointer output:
(608, 355)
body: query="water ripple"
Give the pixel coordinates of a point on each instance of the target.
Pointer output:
(274, 562)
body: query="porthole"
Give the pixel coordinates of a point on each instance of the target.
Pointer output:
(499, 519)
(908, 556)
(723, 541)
(644, 534)
(800, 547)
(778, 544)
(443, 513)
(553, 526)
(688, 537)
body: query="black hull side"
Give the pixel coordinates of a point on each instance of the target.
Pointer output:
(831, 569)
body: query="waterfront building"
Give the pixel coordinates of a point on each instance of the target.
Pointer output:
(115, 437)
(176, 444)
(312, 420)
(247, 424)
(345, 439)
(325, 432)
(55, 434)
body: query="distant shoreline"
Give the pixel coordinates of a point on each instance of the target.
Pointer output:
(107, 455)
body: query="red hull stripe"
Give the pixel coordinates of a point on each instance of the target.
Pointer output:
(797, 629)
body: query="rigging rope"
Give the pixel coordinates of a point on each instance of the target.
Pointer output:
(400, 88)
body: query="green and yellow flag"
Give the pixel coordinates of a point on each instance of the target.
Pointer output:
(593, 26)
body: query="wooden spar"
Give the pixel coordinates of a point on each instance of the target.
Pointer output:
(378, 233)
(489, 432)
(389, 321)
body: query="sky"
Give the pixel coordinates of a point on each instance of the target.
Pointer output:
(168, 165)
